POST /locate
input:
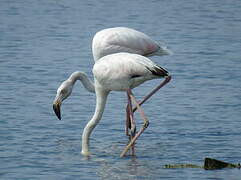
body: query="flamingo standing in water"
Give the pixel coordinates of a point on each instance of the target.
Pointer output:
(117, 72)
(109, 41)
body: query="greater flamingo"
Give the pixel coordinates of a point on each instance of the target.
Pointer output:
(123, 39)
(116, 72)
(109, 41)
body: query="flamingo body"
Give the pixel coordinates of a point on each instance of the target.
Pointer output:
(123, 39)
(114, 72)
(110, 41)
(122, 71)
(120, 66)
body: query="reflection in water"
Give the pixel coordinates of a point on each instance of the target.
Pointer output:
(126, 169)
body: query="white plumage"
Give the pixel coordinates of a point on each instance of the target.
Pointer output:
(121, 71)
(118, 72)
(119, 66)
(110, 41)
(123, 39)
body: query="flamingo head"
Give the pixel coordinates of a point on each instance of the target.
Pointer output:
(63, 92)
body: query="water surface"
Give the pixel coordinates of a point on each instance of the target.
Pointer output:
(196, 115)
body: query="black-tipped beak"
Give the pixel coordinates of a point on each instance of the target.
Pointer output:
(56, 107)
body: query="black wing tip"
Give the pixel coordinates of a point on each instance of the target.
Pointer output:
(159, 71)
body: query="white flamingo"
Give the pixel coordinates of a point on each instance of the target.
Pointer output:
(117, 72)
(123, 39)
(109, 41)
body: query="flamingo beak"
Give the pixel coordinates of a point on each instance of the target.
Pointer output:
(57, 108)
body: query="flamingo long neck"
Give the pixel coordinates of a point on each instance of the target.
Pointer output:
(87, 83)
(101, 97)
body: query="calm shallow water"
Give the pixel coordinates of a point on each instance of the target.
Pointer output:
(197, 115)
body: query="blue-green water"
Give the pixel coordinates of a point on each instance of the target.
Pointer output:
(197, 115)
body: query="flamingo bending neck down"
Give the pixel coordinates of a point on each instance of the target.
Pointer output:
(123, 39)
(65, 89)
(110, 41)
(116, 72)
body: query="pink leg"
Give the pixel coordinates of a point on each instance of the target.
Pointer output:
(132, 124)
(138, 104)
(168, 78)
(145, 125)
(128, 125)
